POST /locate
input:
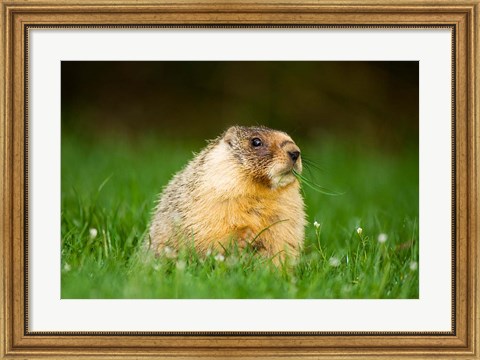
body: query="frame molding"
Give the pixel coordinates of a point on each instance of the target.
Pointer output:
(17, 16)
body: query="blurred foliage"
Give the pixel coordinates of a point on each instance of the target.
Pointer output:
(376, 101)
(109, 189)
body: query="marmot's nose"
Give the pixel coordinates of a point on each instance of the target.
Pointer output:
(294, 155)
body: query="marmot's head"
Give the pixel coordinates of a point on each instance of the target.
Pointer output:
(269, 156)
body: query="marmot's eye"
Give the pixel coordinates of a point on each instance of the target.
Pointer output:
(256, 142)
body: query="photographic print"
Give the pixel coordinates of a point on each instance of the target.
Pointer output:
(247, 179)
(240, 180)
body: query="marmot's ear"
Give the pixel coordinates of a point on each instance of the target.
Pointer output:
(229, 134)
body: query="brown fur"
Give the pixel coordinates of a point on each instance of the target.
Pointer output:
(234, 191)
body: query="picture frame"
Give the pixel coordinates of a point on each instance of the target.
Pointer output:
(18, 16)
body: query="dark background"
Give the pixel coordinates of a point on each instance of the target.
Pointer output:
(376, 102)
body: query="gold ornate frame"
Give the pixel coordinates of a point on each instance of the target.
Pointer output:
(17, 16)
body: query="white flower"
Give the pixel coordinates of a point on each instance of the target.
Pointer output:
(209, 252)
(219, 257)
(93, 233)
(180, 265)
(382, 237)
(334, 261)
(169, 252)
(67, 267)
(413, 265)
(359, 231)
(316, 224)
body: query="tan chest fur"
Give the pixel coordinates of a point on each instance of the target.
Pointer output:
(234, 206)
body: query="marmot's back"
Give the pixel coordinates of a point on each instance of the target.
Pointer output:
(241, 185)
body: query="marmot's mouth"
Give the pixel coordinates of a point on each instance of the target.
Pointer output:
(283, 179)
(289, 170)
(286, 172)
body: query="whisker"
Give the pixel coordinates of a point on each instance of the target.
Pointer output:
(311, 163)
(309, 171)
(314, 186)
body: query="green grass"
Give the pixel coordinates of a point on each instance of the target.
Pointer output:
(111, 186)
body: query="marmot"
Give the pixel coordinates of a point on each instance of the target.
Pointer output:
(240, 187)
